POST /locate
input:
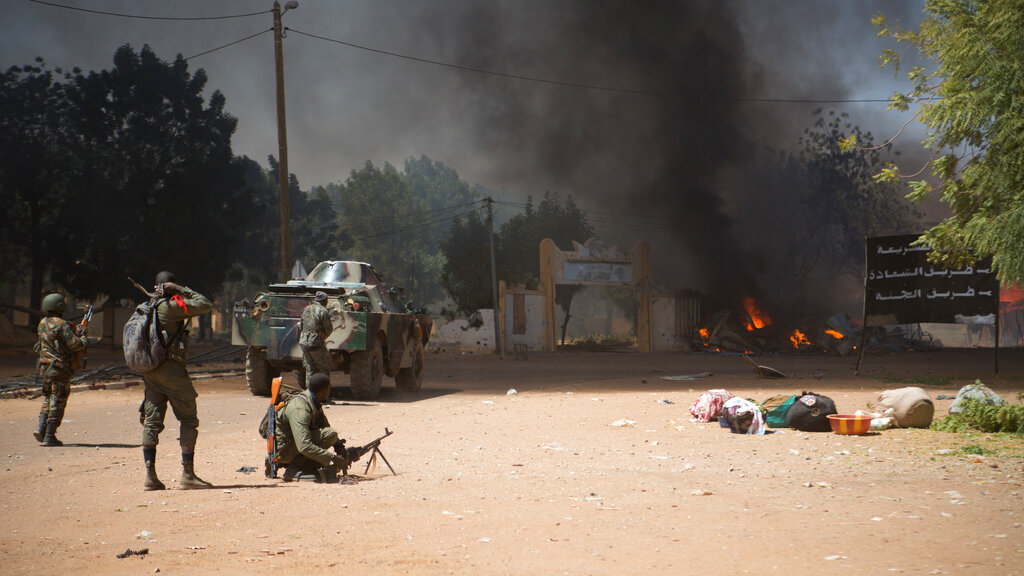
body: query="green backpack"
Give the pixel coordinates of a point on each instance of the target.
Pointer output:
(775, 409)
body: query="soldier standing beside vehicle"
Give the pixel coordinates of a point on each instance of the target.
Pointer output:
(170, 381)
(56, 346)
(316, 326)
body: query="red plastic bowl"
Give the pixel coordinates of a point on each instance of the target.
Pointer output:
(849, 424)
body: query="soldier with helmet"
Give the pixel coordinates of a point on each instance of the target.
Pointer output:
(170, 382)
(315, 325)
(56, 347)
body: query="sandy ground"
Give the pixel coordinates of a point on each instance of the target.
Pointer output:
(537, 482)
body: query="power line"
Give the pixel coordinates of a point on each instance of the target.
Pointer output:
(138, 17)
(424, 213)
(448, 64)
(477, 70)
(572, 84)
(251, 36)
(415, 226)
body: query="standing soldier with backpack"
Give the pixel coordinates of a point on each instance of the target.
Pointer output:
(169, 382)
(316, 326)
(56, 346)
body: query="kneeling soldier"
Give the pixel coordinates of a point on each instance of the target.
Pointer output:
(304, 435)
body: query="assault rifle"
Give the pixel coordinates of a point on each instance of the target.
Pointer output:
(82, 356)
(356, 452)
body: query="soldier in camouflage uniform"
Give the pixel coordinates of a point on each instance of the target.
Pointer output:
(56, 346)
(316, 327)
(170, 382)
(304, 435)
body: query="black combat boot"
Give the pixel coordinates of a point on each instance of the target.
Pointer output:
(40, 432)
(189, 480)
(50, 439)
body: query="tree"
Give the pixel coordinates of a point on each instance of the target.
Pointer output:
(804, 228)
(969, 99)
(157, 186)
(843, 204)
(396, 219)
(36, 163)
(517, 251)
(466, 275)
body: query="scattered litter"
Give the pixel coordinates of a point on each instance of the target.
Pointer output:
(246, 469)
(700, 492)
(621, 423)
(197, 547)
(835, 557)
(593, 497)
(686, 377)
(794, 451)
(488, 401)
(944, 451)
(665, 402)
(130, 552)
(945, 397)
(511, 392)
(553, 446)
(144, 535)
(876, 518)
(659, 457)
(485, 540)
(688, 467)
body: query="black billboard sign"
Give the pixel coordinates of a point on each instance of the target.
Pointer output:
(902, 287)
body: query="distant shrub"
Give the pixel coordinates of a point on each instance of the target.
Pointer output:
(977, 415)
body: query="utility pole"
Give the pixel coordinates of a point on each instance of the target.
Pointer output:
(282, 144)
(494, 279)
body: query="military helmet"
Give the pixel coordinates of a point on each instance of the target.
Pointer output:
(54, 304)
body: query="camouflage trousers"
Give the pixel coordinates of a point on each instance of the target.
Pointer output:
(322, 437)
(169, 384)
(316, 361)
(56, 390)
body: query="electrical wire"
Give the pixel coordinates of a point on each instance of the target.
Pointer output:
(450, 65)
(415, 226)
(251, 36)
(138, 17)
(574, 84)
(426, 213)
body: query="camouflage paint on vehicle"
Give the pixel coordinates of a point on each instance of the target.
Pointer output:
(360, 309)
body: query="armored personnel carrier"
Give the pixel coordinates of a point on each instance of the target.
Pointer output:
(377, 332)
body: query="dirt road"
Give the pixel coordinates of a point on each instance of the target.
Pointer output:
(536, 482)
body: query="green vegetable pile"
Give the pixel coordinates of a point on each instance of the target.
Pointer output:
(978, 415)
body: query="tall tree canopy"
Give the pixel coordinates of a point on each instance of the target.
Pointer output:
(37, 163)
(122, 172)
(970, 97)
(158, 187)
(397, 219)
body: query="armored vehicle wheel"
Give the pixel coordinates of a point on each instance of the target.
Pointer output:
(367, 371)
(258, 372)
(410, 379)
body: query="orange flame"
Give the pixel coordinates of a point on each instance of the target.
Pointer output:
(703, 333)
(833, 333)
(798, 338)
(758, 319)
